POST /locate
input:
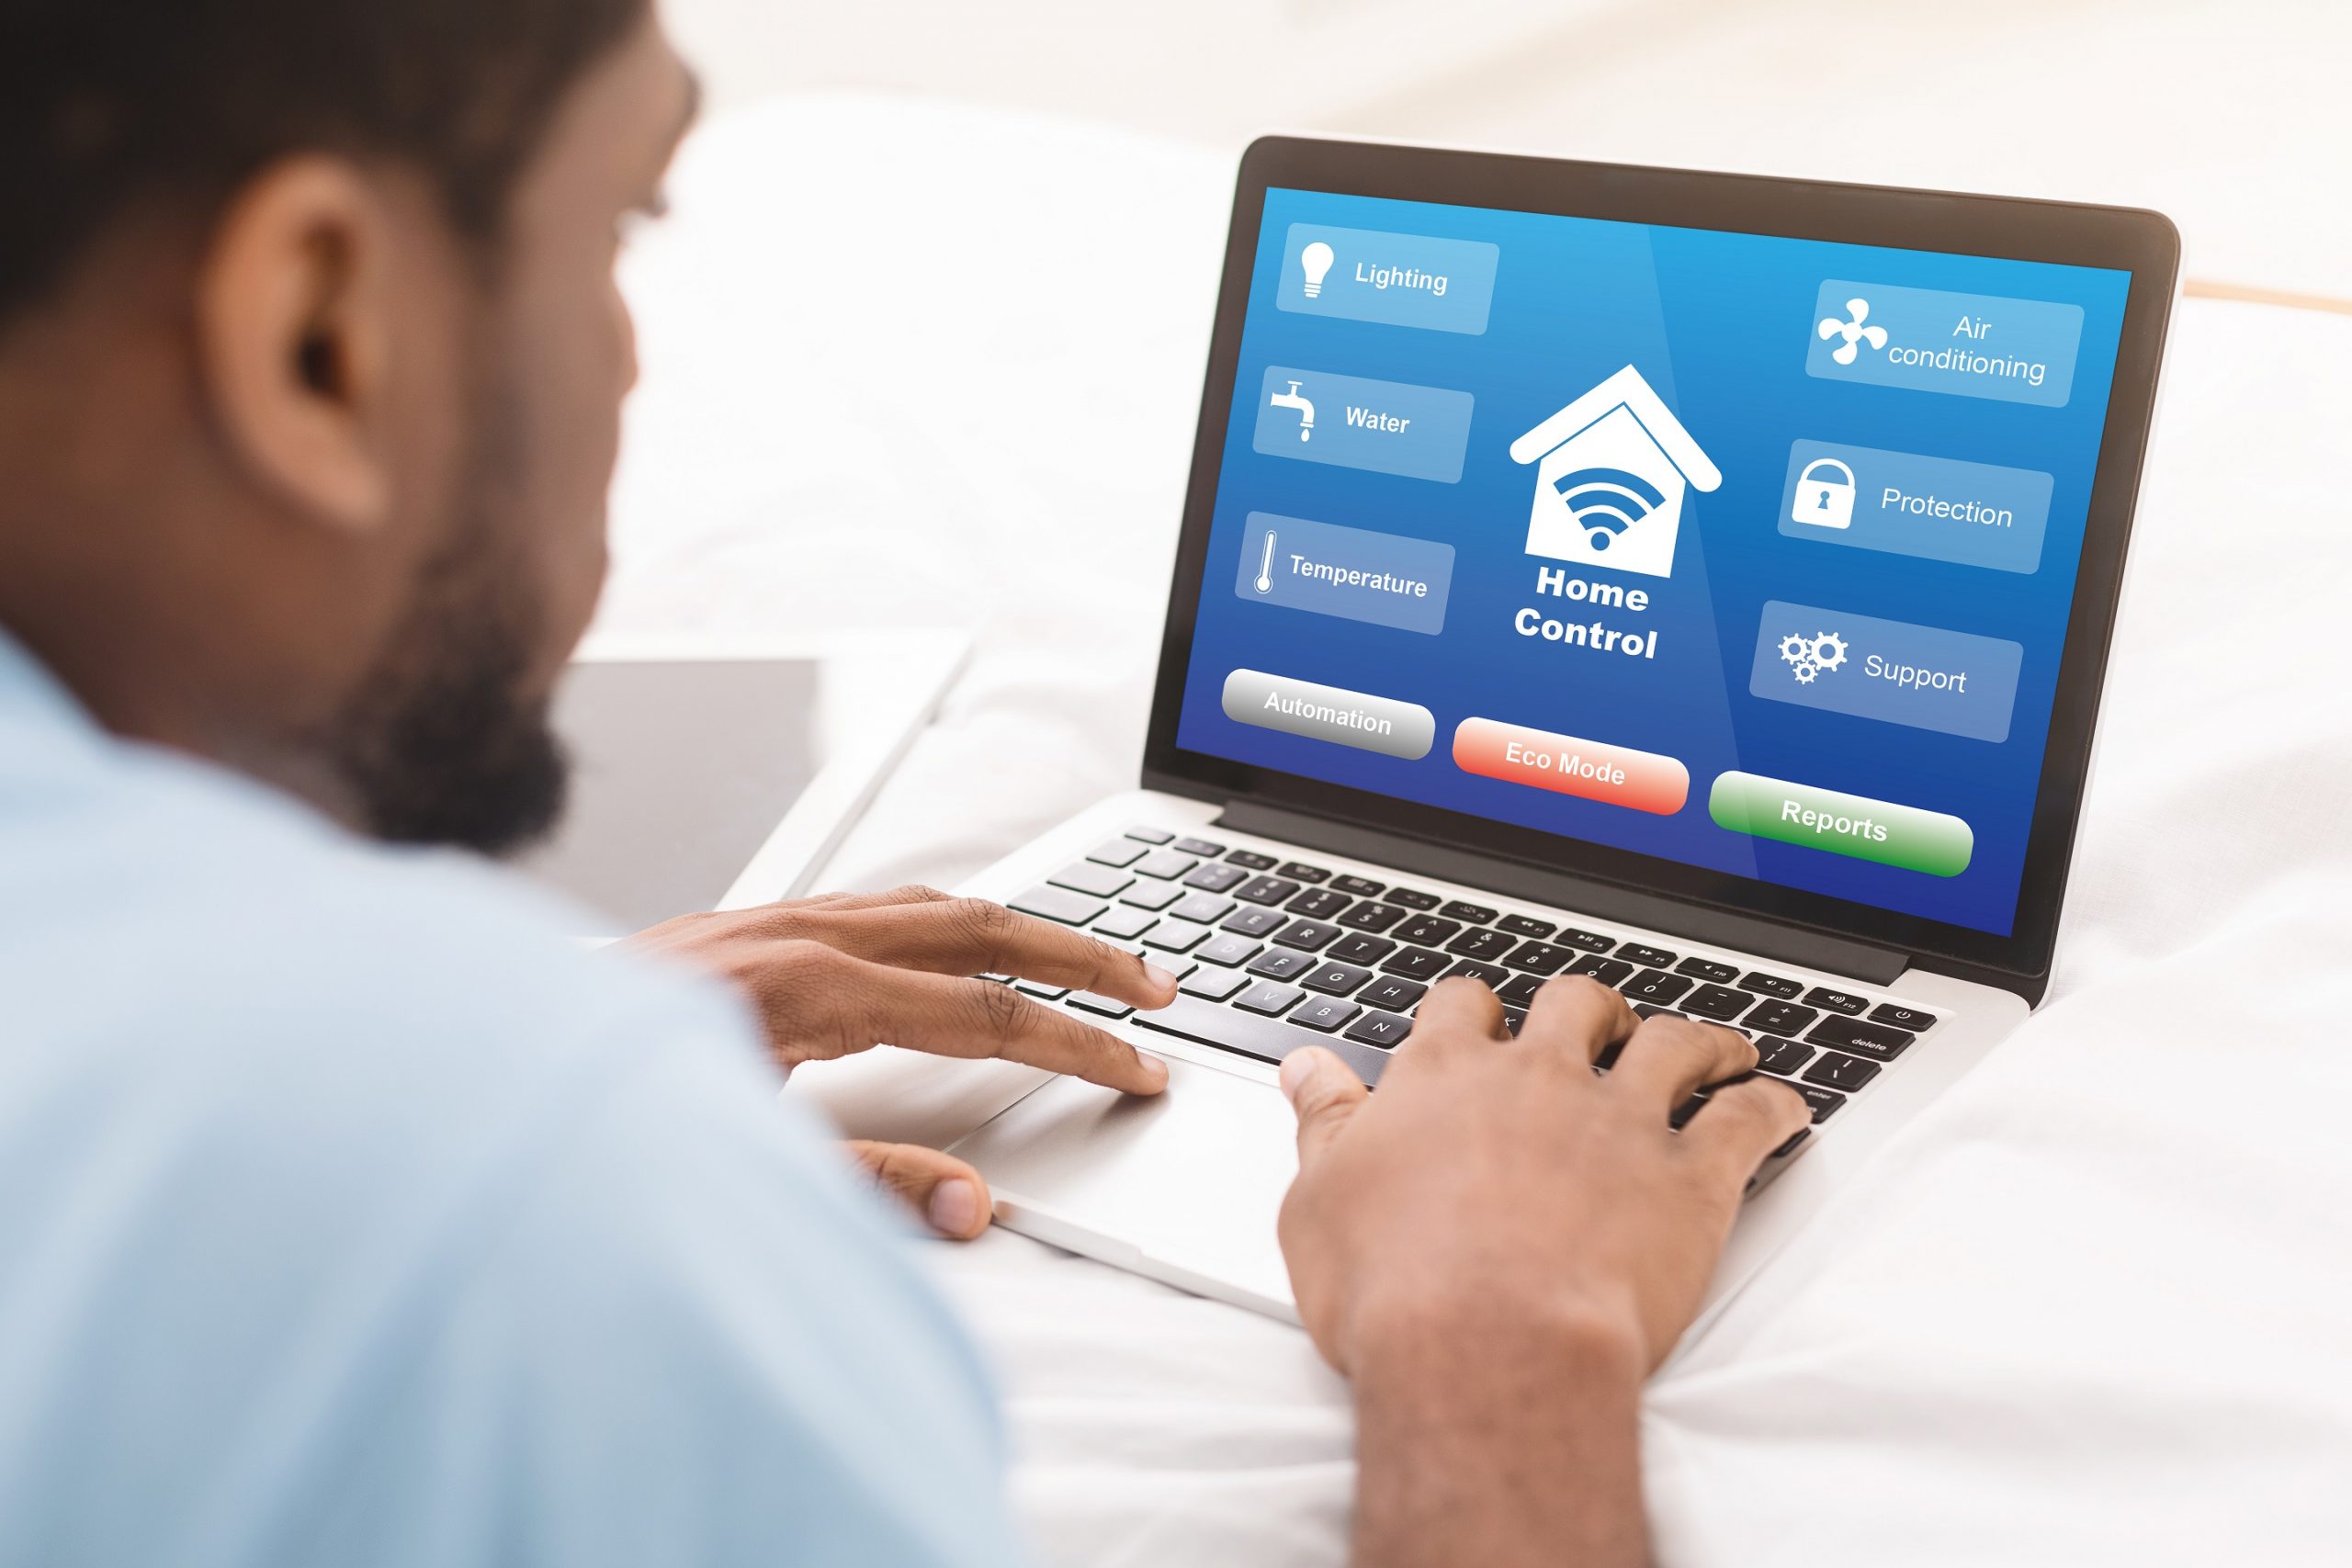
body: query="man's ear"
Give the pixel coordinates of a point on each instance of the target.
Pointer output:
(295, 337)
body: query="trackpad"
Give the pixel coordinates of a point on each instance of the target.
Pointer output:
(1182, 1187)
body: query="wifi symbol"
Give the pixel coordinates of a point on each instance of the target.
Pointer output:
(1607, 501)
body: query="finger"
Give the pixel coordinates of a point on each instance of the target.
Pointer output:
(978, 1018)
(912, 893)
(972, 936)
(944, 1193)
(1742, 1124)
(1325, 1092)
(1577, 1012)
(1456, 1009)
(1669, 1056)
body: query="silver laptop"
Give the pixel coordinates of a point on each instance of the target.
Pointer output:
(1703, 584)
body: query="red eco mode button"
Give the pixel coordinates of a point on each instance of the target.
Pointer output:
(1616, 775)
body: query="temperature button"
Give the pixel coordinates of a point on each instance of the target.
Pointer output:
(1386, 578)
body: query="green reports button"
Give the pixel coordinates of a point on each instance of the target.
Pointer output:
(1843, 824)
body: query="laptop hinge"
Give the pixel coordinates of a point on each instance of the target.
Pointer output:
(1745, 933)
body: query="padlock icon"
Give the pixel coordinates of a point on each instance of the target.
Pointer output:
(1824, 495)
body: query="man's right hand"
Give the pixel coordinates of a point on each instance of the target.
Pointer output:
(1501, 1245)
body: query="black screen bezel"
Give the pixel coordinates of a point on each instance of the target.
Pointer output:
(2142, 242)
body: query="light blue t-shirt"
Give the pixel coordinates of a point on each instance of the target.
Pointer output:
(351, 1213)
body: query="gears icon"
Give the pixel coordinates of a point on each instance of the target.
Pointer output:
(1808, 657)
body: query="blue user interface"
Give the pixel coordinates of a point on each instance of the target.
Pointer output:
(1747, 552)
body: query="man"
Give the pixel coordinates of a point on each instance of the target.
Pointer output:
(349, 1213)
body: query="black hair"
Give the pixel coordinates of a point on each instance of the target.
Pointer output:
(107, 103)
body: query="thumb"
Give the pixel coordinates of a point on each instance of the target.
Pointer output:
(944, 1193)
(1326, 1093)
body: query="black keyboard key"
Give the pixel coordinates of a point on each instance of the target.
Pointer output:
(1781, 1057)
(1520, 989)
(1707, 969)
(1796, 1140)
(1125, 925)
(1360, 949)
(1826, 1102)
(1372, 917)
(1118, 852)
(1150, 835)
(1514, 1017)
(1307, 936)
(1228, 950)
(1718, 1003)
(1317, 904)
(1540, 958)
(1833, 1071)
(1108, 1006)
(1765, 985)
(1393, 995)
(1526, 926)
(1213, 985)
(1152, 894)
(1428, 931)
(1334, 979)
(1101, 881)
(1782, 1017)
(1485, 973)
(1039, 989)
(1208, 908)
(1207, 849)
(1608, 971)
(1266, 890)
(1415, 963)
(1280, 964)
(1299, 872)
(1325, 1013)
(1486, 946)
(1590, 942)
(1822, 997)
(1060, 904)
(1164, 864)
(997, 979)
(1468, 914)
(1413, 898)
(1218, 878)
(1647, 957)
(1656, 986)
(1254, 922)
(1251, 860)
(1269, 997)
(1188, 1018)
(1679, 1117)
(1864, 1039)
(1902, 1016)
(1357, 887)
(1385, 1029)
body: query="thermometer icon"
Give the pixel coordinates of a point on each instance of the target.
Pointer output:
(1266, 566)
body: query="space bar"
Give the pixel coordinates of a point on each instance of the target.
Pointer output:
(1268, 1039)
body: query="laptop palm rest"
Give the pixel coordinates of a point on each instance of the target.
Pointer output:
(1184, 1187)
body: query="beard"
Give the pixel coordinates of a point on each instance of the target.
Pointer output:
(442, 742)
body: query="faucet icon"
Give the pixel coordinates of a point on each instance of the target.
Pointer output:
(1290, 400)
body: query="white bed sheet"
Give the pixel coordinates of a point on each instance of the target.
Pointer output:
(910, 364)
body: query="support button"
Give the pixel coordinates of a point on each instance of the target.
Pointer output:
(1851, 825)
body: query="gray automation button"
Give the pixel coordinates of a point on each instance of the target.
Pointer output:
(1330, 713)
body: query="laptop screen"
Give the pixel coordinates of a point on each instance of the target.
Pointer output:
(1747, 552)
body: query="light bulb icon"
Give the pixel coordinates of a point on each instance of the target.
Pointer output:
(1317, 260)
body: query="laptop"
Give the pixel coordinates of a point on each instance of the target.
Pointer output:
(1695, 582)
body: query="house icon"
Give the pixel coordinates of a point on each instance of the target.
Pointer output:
(1614, 465)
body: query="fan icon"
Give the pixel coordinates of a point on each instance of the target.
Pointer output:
(1853, 331)
(1809, 656)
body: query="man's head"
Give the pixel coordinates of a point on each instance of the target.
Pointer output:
(311, 369)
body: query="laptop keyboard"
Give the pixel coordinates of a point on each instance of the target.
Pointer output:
(1273, 953)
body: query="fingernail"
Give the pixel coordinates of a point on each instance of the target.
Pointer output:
(1159, 977)
(1155, 1071)
(1296, 1068)
(955, 1207)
